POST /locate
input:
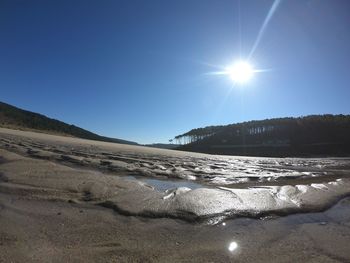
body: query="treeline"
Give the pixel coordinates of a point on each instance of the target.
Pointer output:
(13, 117)
(311, 135)
(197, 134)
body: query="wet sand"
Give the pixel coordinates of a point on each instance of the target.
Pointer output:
(57, 205)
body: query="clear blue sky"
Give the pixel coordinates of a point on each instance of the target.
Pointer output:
(137, 70)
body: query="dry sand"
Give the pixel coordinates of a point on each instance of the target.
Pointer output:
(56, 195)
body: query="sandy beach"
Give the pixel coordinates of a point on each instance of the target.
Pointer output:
(64, 199)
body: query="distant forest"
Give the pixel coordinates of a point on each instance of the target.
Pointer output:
(314, 135)
(15, 118)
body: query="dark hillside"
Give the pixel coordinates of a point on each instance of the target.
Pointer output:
(12, 117)
(325, 135)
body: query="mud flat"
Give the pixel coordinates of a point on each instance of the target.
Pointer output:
(66, 199)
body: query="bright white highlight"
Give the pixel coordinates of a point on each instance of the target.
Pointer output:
(233, 246)
(240, 72)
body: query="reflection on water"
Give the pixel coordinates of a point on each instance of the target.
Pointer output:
(232, 246)
(163, 185)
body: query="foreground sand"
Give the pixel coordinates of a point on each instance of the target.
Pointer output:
(59, 210)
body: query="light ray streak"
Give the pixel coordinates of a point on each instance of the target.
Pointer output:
(204, 63)
(239, 29)
(224, 72)
(262, 30)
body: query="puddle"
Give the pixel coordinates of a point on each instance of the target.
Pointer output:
(163, 185)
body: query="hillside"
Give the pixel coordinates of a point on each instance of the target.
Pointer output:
(15, 118)
(314, 135)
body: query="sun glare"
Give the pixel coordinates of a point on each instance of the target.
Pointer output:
(240, 72)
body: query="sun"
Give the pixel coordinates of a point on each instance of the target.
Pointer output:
(240, 72)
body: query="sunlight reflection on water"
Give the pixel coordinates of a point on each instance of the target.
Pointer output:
(232, 246)
(166, 184)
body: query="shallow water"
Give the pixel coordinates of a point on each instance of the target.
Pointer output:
(163, 185)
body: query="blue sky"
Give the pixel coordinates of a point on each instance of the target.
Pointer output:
(138, 70)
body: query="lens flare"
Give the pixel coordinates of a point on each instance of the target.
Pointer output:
(263, 28)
